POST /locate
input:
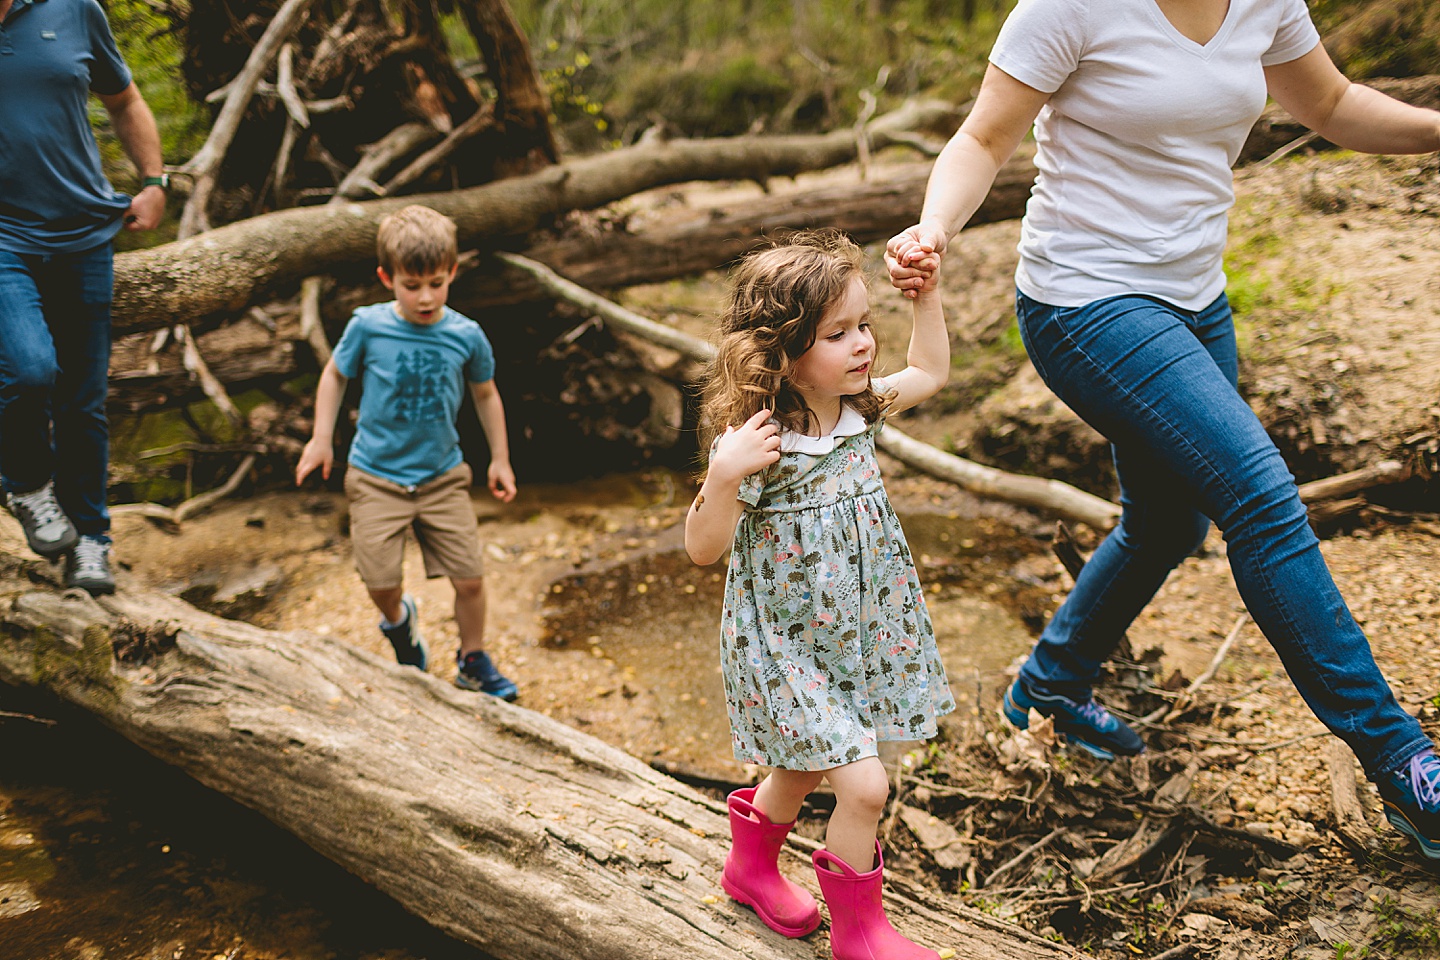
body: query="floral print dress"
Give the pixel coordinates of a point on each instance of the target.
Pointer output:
(826, 644)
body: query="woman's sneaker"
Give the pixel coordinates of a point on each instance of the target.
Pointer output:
(405, 636)
(48, 531)
(1412, 800)
(478, 673)
(88, 566)
(1084, 723)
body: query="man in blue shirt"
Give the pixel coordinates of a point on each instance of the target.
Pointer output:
(58, 215)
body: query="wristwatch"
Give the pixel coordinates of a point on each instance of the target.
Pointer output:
(162, 181)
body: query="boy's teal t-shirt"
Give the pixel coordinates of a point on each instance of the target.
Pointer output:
(414, 377)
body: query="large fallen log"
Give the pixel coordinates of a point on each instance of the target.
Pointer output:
(227, 269)
(868, 210)
(501, 827)
(231, 267)
(245, 351)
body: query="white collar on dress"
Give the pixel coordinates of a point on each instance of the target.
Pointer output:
(850, 424)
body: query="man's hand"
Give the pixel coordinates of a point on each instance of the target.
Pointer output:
(753, 446)
(913, 257)
(315, 454)
(501, 480)
(147, 209)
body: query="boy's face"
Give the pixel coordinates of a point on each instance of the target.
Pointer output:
(420, 298)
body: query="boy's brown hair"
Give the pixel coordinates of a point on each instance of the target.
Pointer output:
(416, 240)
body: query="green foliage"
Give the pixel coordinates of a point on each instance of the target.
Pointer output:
(1011, 340)
(153, 54)
(141, 475)
(715, 98)
(720, 67)
(1381, 38)
(1407, 929)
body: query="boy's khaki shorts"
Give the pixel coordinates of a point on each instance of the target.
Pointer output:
(439, 513)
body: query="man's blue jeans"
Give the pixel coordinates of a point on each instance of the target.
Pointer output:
(1159, 383)
(54, 370)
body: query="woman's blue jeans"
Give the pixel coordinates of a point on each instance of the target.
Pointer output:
(1159, 383)
(54, 376)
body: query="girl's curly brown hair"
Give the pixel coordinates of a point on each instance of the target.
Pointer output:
(777, 297)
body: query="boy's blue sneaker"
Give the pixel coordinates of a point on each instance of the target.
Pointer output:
(1088, 725)
(478, 673)
(1412, 800)
(405, 636)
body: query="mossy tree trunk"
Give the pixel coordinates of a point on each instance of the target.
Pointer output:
(497, 825)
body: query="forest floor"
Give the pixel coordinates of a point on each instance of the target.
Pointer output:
(1222, 840)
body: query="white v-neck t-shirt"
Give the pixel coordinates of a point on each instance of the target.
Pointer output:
(1136, 144)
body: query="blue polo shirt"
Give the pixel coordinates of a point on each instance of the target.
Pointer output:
(54, 197)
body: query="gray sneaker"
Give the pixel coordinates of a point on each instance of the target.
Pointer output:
(48, 531)
(88, 567)
(405, 636)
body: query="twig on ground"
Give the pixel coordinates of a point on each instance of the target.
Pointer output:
(1281, 744)
(6, 714)
(155, 452)
(1289, 148)
(1167, 713)
(178, 514)
(894, 801)
(1020, 857)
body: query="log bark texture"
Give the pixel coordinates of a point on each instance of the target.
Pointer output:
(868, 210)
(501, 827)
(228, 268)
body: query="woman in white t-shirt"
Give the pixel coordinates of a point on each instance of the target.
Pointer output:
(1140, 108)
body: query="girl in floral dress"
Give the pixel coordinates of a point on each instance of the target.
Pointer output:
(826, 643)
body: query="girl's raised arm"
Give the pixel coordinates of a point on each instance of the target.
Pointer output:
(928, 359)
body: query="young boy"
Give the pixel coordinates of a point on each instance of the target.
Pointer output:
(405, 469)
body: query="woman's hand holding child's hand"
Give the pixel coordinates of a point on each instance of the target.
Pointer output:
(913, 258)
(752, 446)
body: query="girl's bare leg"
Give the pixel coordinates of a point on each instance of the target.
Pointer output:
(861, 789)
(781, 794)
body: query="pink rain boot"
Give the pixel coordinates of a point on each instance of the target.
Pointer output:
(751, 873)
(859, 929)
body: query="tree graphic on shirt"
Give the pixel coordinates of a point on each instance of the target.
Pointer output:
(417, 394)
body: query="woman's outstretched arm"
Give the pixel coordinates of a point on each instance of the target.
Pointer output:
(1350, 115)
